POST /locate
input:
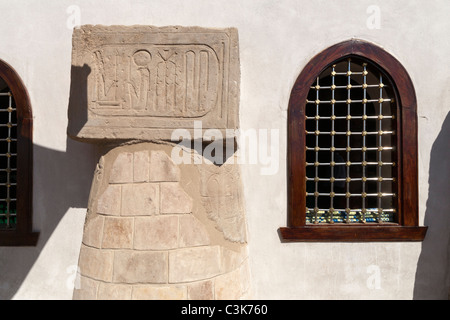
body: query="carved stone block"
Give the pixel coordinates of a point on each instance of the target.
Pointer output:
(140, 267)
(142, 82)
(221, 195)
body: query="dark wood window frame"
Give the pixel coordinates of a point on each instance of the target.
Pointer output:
(407, 228)
(22, 234)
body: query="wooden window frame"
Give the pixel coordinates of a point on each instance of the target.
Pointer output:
(22, 234)
(407, 228)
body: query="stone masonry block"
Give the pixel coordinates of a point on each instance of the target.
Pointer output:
(93, 230)
(140, 267)
(140, 199)
(193, 264)
(162, 167)
(86, 289)
(117, 233)
(192, 232)
(174, 199)
(203, 290)
(111, 291)
(141, 166)
(109, 201)
(156, 233)
(232, 259)
(122, 169)
(96, 263)
(228, 286)
(149, 292)
(245, 277)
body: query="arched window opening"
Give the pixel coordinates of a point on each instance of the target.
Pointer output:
(16, 161)
(352, 149)
(8, 158)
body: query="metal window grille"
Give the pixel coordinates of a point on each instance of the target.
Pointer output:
(8, 159)
(350, 145)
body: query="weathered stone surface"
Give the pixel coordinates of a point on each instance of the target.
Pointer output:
(86, 289)
(193, 264)
(203, 290)
(245, 276)
(122, 168)
(155, 238)
(228, 286)
(141, 166)
(142, 82)
(174, 199)
(109, 201)
(192, 232)
(156, 233)
(231, 259)
(93, 230)
(111, 291)
(140, 267)
(163, 168)
(149, 292)
(140, 199)
(117, 233)
(220, 188)
(95, 263)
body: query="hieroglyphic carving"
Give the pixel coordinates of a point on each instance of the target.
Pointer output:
(139, 88)
(164, 78)
(106, 83)
(181, 81)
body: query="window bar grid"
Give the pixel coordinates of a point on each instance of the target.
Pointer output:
(8, 166)
(364, 178)
(345, 101)
(343, 179)
(8, 213)
(332, 148)
(373, 214)
(347, 183)
(351, 133)
(348, 195)
(367, 163)
(380, 146)
(344, 87)
(352, 210)
(353, 117)
(316, 175)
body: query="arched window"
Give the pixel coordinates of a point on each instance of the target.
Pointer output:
(16, 159)
(352, 149)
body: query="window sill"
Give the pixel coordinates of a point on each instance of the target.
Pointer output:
(18, 239)
(348, 233)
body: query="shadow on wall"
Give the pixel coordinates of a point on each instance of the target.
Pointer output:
(62, 180)
(78, 101)
(432, 275)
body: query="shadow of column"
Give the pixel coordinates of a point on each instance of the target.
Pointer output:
(61, 180)
(432, 275)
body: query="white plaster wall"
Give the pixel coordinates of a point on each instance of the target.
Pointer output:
(277, 38)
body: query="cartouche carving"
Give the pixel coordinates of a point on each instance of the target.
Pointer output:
(145, 81)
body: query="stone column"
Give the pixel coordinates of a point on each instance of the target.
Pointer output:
(156, 229)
